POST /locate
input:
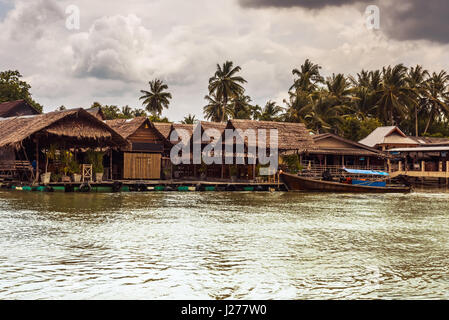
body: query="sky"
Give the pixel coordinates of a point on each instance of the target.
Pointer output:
(121, 45)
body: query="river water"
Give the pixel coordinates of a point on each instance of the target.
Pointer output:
(214, 245)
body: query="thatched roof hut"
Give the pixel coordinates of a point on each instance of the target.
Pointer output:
(16, 108)
(291, 136)
(70, 128)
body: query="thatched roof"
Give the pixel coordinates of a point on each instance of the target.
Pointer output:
(387, 135)
(291, 136)
(164, 128)
(16, 108)
(75, 127)
(126, 127)
(97, 112)
(345, 147)
(179, 127)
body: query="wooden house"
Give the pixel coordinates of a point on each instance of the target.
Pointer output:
(335, 151)
(384, 138)
(24, 139)
(293, 138)
(148, 147)
(16, 108)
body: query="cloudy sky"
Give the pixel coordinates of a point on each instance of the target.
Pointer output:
(120, 46)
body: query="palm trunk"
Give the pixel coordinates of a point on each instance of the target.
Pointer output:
(416, 121)
(428, 123)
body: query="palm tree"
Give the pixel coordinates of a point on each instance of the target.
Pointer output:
(271, 111)
(340, 91)
(225, 84)
(437, 96)
(241, 107)
(127, 112)
(139, 113)
(394, 95)
(416, 79)
(321, 116)
(216, 110)
(156, 99)
(307, 77)
(189, 119)
(298, 102)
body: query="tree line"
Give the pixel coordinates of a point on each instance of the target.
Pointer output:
(352, 106)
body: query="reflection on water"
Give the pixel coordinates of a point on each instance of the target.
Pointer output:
(223, 245)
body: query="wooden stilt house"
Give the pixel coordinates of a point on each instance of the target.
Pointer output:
(25, 139)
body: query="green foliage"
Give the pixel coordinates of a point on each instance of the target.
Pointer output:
(69, 163)
(157, 118)
(13, 88)
(113, 112)
(189, 119)
(356, 129)
(95, 158)
(292, 163)
(411, 98)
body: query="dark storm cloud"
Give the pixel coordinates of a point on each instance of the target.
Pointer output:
(400, 19)
(419, 20)
(309, 4)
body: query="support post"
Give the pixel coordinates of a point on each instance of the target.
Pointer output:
(400, 166)
(423, 166)
(37, 160)
(110, 163)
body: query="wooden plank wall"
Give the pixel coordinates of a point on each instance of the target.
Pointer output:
(145, 135)
(142, 166)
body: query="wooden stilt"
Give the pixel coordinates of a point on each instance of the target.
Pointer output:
(37, 160)
(110, 163)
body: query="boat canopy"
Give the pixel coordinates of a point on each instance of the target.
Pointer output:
(367, 172)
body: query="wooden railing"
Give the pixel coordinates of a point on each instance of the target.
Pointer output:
(313, 170)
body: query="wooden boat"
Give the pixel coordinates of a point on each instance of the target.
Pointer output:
(298, 183)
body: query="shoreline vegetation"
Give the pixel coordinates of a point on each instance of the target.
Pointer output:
(351, 106)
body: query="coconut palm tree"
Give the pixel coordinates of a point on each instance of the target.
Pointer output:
(394, 94)
(437, 95)
(297, 105)
(241, 108)
(308, 76)
(226, 84)
(216, 110)
(139, 113)
(271, 112)
(321, 116)
(127, 112)
(189, 119)
(157, 98)
(416, 79)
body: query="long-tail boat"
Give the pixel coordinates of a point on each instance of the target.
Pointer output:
(300, 183)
